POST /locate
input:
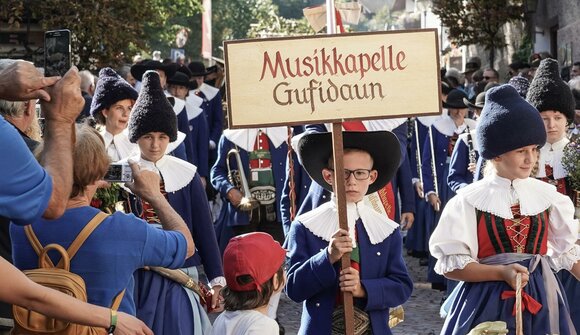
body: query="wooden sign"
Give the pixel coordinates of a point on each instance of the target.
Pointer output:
(331, 78)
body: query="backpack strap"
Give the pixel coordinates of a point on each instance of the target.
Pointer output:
(83, 235)
(34, 242)
(117, 301)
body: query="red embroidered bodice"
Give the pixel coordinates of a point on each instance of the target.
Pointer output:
(522, 234)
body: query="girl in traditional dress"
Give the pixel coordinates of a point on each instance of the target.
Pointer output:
(505, 224)
(555, 102)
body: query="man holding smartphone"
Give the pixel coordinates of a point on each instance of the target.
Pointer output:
(28, 191)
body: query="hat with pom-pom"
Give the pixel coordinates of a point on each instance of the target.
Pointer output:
(508, 122)
(152, 111)
(549, 92)
(110, 89)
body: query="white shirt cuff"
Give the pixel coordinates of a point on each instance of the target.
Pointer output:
(449, 263)
(567, 260)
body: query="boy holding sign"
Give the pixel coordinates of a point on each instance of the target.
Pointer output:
(377, 278)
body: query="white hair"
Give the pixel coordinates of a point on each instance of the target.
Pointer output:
(87, 79)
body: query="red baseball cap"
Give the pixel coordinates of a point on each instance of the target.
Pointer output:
(256, 255)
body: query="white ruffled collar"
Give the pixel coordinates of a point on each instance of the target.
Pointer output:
(124, 147)
(494, 194)
(193, 99)
(178, 104)
(176, 173)
(173, 145)
(209, 91)
(245, 138)
(446, 126)
(192, 110)
(323, 221)
(552, 154)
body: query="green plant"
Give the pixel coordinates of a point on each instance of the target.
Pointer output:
(571, 161)
(106, 199)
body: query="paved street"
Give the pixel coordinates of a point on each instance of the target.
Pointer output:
(421, 311)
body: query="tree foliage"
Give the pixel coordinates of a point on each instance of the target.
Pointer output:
(478, 21)
(105, 32)
(111, 32)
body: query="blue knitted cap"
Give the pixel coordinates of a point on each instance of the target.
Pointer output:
(508, 122)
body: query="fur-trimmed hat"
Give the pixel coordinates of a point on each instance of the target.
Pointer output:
(139, 69)
(110, 89)
(315, 149)
(549, 92)
(508, 122)
(152, 111)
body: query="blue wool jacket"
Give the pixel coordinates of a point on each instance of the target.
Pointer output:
(313, 280)
(219, 177)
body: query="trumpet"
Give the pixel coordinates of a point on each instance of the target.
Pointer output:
(238, 179)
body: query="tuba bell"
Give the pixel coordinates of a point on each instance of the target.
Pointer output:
(238, 179)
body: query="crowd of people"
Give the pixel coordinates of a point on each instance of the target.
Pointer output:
(479, 194)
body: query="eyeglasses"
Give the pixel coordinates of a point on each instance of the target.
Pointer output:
(488, 78)
(359, 174)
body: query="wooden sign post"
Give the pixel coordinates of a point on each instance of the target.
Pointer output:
(333, 78)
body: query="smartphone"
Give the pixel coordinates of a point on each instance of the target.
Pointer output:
(57, 52)
(119, 173)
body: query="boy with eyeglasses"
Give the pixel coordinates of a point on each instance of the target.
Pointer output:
(377, 277)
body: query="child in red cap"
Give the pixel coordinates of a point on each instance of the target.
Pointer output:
(254, 270)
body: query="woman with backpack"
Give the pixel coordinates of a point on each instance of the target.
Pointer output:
(120, 244)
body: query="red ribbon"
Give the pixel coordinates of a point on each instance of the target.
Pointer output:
(528, 303)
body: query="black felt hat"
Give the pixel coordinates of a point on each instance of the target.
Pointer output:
(152, 111)
(181, 79)
(139, 69)
(197, 69)
(455, 99)
(508, 122)
(185, 70)
(479, 101)
(315, 149)
(549, 92)
(110, 89)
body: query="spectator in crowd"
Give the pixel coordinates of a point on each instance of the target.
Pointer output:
(254, 269)
(106, 248)
(162, 302)
(491, 75)
(21, 115)
(28, 191)
(575, 70)
(87, 90)
(472, 65)
(125, 73)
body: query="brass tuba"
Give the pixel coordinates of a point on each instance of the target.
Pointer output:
(238, 179)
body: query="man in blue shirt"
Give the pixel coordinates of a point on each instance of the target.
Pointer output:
(27, 191)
